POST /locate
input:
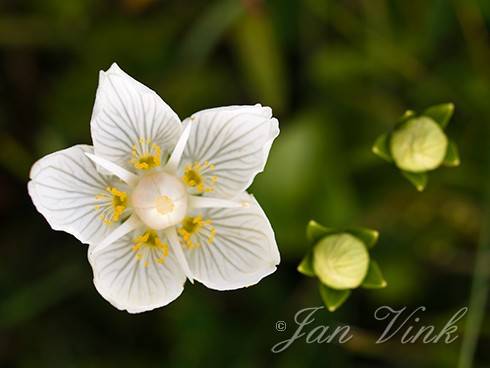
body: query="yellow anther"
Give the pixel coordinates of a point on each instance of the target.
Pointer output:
(195, 176)
(191, 226)
(147, 156)
(147, 242)
(212, 234)
(118, 202)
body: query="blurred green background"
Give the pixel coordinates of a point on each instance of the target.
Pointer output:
(337, 74)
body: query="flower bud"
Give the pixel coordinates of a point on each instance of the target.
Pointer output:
(340, 261)
(418, 145)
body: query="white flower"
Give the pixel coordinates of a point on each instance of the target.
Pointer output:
(159, 201)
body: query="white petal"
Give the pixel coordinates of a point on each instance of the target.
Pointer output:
(125, 112)
(130, 284)
(64, 189)
(234, 141)
(209, 202)
(243, 249)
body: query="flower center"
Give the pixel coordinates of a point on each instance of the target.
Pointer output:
(160, 200)
(164, 205)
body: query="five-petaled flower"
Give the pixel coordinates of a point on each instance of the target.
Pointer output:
(159, 201)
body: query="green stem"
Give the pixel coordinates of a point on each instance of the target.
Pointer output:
(479, 292)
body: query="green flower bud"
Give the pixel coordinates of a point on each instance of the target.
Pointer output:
(340, 261)
(418, 145)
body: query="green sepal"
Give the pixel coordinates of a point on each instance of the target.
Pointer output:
(441, 113)
(315, 231)
(374, 278)
(333, 298)
(419, 180)
(452, 155)
(368, 236)
(381, 147)
(407, 115)
(306, 266)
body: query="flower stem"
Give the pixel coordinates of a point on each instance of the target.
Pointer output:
(479, 290)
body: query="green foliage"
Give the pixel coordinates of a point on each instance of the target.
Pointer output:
(261, 60)
(207, 32)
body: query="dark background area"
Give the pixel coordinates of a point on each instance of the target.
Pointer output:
(337, 74)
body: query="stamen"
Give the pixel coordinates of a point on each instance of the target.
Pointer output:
(148, 246)
(118, 203)
(146, 156)
(191, 226)
(194, 177)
